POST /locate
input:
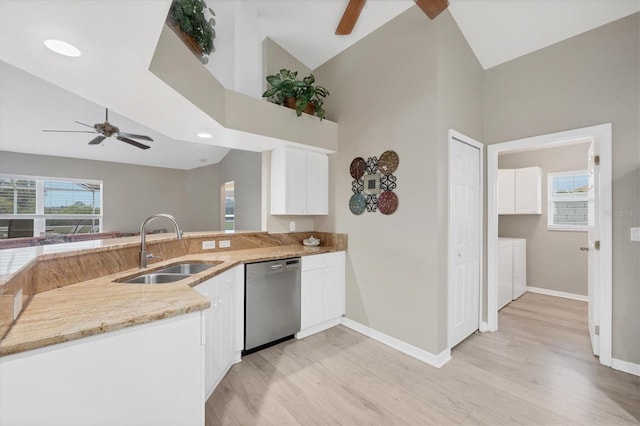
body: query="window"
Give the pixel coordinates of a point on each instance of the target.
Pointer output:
(229, 206)
(568, 201)
(51, 208)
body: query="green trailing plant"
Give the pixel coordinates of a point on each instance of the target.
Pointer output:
(189, 15)
(285, 86)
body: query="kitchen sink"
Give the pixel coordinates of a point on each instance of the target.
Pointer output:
(170, 274)
(187, 268)
(156, 278)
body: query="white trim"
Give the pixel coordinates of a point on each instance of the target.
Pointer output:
(556, 293)
(318, 328)
(601, 134)
(626, 366)
(484, 327)
(427, 357)
(471, 142)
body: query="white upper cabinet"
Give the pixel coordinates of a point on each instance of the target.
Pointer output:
(299, 182)
(519, 191)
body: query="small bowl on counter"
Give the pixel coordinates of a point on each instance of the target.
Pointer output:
(311, 241)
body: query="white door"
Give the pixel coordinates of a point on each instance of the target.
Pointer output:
(465, 219)
(592, 288)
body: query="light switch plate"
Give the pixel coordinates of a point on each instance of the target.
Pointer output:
(635, 233)
(207, 245)
(224, 243)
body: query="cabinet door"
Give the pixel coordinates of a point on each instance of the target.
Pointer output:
(226, 338)
(288, 181)
(333, 292)
(505, 273)
(311, 298)
(317, 183)
(506, 187)
(208, 289)
(528, 198)
(519, 268)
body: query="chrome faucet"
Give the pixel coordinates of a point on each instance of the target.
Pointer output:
(143, 242)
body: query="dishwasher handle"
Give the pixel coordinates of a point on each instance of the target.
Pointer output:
(277, 267)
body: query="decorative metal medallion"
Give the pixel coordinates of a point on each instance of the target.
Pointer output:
(387, 202)
(372, 203)
(388, 182)
(357, 168)
(372, 165)
(357, 204)
(357, 186)
(388, 162)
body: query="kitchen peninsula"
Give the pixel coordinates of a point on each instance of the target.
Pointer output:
(82, 333)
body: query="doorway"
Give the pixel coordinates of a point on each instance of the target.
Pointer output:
(465, 237)
(599, 297)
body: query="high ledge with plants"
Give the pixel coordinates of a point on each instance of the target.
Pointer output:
(302, 95)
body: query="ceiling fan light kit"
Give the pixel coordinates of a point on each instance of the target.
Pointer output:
(107, 130)
(431, 8)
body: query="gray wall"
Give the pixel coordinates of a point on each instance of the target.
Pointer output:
(589, 79)
(396, 268)
(554, 259)
(131, 192)
(245, 169)
(275, 58)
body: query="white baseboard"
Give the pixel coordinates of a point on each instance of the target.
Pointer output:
(318, 328)
(427, 357)
(555, 293)
(626, 366)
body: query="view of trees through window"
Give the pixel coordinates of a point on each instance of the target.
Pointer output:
(49, 207)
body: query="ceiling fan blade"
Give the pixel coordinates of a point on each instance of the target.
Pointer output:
(133, 135)
(97, 140)
(85, 124)
(134, 143)
(70, 131)
(350, 16)
(432, 8)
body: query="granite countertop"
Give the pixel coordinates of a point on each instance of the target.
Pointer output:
(101, 305)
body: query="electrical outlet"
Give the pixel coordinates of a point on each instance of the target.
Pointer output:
(635, 233)
(208, 245)
(224, 243)
(292, 226)
(17, 304)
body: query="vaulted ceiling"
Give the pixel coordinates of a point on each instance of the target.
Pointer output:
(118, 39)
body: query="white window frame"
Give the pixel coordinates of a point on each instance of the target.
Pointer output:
(550, 203)
(39, 218)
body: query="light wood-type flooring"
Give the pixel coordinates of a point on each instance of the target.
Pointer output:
(536, 370)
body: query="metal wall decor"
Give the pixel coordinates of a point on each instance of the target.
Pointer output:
(373, 184)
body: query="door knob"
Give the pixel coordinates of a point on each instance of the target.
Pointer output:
(584, 248)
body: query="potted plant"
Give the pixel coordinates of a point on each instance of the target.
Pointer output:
(187, 19)
(301, 95)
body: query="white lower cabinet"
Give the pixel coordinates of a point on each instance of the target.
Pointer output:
(224, 329)
(512, 269)
(322, 292)
(149, 374)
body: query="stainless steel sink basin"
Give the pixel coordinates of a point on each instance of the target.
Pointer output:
(170, 274)
(156, 278)
(187, 268)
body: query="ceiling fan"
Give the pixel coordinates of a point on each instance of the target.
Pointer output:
(106, 130)
(431, 8)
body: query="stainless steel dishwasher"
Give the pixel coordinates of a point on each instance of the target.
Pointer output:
(272, 303)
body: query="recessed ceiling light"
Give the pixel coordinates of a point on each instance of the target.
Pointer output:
(62, 48)
(204, 135)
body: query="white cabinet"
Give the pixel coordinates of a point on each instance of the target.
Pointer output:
(299, 182)
(149, 374)
(519, 191)
(223, 324)
(322, 292)
(512, 269)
